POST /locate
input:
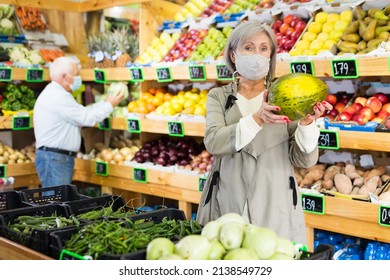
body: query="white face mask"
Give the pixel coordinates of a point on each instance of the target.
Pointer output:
(77, 82)
(252, 66)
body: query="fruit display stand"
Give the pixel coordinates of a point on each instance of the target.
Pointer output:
(10, 250)
(341, 215)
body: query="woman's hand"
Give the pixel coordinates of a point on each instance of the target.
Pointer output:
(319, 109)
(266, 113)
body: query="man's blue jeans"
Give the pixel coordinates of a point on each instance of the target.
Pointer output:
(54, 169)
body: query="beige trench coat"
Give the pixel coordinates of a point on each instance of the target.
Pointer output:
(261, 174)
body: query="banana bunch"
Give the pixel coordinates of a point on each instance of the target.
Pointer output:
(366, 31)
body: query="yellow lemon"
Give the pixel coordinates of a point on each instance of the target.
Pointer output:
(309, 36)
(328, 44)
(323, 36)
(200, 111)
(327, 27)
(321, 17)
(189, 103)
(333, 17)
(340, 25)
(346, 15)
(296, 52)
(177, 106)
(315, 27)
(335, 35)
(302, 44)
(189, 110)
(316, 45)
(309, 52)
(169, 111)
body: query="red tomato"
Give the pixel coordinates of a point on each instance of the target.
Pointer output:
(288, 19)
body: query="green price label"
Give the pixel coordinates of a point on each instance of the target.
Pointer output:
(328, 139)
(105, 124)
(164, 74)
(344, 68)
(101, 168)
(201, 183)
(384, 215)
(5, 74)
(136, 74)
(34, 75)
(133, 125)
(302, 67)
(176, 129)
(313, 203)
(3, 171)
(21, 122)
(197, 72)
(69, 255)
(140, 175)
(100, 76)
(223, 73)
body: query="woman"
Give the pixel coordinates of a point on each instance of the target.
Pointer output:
(255, 149)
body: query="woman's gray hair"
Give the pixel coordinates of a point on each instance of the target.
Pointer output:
(60, 66)
(242, 33)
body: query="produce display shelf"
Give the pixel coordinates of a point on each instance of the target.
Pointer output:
(6, 122)
(350, 217)
(10, 250)
(368, 66)
(160, 126)
(24, 175)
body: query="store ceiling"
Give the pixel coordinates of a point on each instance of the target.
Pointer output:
(72, 5)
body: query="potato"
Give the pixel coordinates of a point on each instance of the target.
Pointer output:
(343, 183)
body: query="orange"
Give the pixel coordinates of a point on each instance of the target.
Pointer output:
(150, 107)
(152, 90)
(167, 96)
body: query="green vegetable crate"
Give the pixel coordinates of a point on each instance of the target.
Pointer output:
(11, 200)
(322, 252)
(31, 226)
(78, 207)
(56, 194)
(63, 238)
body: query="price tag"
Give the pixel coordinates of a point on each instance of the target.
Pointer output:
(384, 215)
(136, 74)
(345, 68)
(223, 72)
(302, 67)
(101, 168)
(140, 175)
(100, 76)
(34, 75)
(3, 171)
(197, 72)
(5, 74)
(21, 122)
(133, 125)
(105, 124)
(313, 203)
(164, 74)
(175, 129)
(69, 255)
(328, 139)
(201, 183)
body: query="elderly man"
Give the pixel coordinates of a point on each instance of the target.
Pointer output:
(58, 119)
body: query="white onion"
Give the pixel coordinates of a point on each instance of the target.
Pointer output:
(241, 254)
(159, 247)
(262, 240)
(211, 230)
(231, 235)
(193, 247)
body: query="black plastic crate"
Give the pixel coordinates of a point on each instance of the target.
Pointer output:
(82, 206)
(158, 215)
(59, 237)
(322, 252)
(56, 194)
(38, 240)
(10, 200)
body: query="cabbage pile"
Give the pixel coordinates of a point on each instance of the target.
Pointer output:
(227, 238)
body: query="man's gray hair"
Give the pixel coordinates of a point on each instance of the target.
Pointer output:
(242, 33)
(60, 66)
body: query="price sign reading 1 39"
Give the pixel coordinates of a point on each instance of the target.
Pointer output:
(328, 139)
